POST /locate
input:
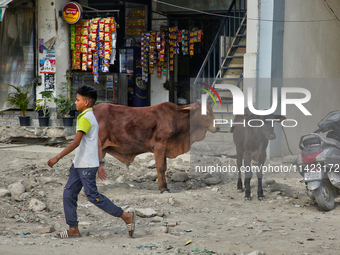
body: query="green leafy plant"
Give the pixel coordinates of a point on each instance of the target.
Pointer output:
(42, 103)
(20, 98)
(64, 105)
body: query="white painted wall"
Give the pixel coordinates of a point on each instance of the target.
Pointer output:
(250, 58)
(50, 25)
(158, 93)
(311, 59)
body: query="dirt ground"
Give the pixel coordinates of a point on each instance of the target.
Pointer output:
(209, 219)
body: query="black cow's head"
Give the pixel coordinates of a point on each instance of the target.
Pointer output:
(264, 124)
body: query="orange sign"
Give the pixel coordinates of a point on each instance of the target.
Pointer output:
(72, 12)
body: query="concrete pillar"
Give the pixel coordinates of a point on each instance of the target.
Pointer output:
(50, 25)
(263, 59)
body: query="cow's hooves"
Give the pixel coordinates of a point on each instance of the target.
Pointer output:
(247, 198)
(165, 191)
(261, 198)
(239, 190)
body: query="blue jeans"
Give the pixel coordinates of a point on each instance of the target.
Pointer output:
(86, 177)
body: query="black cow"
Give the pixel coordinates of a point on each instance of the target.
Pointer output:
(251, 144)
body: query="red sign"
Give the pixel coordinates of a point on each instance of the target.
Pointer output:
(72, 12)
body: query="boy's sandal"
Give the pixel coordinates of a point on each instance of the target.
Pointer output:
(64, 235)
(131, 226)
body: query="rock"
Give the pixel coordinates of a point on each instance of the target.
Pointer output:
(254, 253)
(180, 177)
(36, 205)
(268, 182)
(16, 190)
(43, 230)
(289, 159)
(171, 223)
(180, 166)
(107, 182)
(172, 201)
(295, 196)
(29, 184)
(84, 223)
(40, 132)
(211, 181)
(152, 176)
(46, 180)
(41, 193)
(214, 189)
(159, 230)
(157, 219)
(151, 164)
(146, 213)
(4, 192)
(120, 179)
(25, 196)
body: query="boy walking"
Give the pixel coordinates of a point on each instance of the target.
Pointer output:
(87, 162)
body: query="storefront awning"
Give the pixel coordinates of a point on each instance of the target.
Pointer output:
(3, 6)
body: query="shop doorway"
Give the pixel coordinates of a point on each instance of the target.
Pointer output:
(186, 66)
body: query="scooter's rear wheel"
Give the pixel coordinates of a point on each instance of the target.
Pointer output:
(324, 195)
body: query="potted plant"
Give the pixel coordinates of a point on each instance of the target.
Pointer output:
(42, 105)
(64, 106)
(21, 99)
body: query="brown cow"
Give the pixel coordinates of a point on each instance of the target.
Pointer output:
(251, 144)
(164, 129)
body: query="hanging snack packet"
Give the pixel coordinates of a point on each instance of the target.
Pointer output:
(96, 78)
(107, 54)
(107, 46)
(77, 65)
(107, 27)
(89, 64)
(85, 31)
(84, 58)
(78, 29)
(78, 46)
(83, 48)
(84, 66)
(94, 24)
(107, 37)
(84, 39)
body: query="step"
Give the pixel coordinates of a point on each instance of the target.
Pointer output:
(34, 122)
(232, 67)
(239, 46)
(227, 79)
(232, 57)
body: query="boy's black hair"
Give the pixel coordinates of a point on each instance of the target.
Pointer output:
(89, 92)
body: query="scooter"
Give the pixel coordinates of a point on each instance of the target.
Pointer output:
(319, 161)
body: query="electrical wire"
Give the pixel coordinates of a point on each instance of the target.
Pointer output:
(227, 16)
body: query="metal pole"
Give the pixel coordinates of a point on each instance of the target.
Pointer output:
(214, 73)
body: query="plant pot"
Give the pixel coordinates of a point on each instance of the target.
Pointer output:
(24, 121)
(43, 121)
(41, 113)
(68, 121)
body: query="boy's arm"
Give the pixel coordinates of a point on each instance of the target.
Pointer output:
(101, 171)
(75, 143)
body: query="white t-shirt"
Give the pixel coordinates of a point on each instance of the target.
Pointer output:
(87, 151)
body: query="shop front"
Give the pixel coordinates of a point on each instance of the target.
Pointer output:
(105, 49)
(17, 51)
